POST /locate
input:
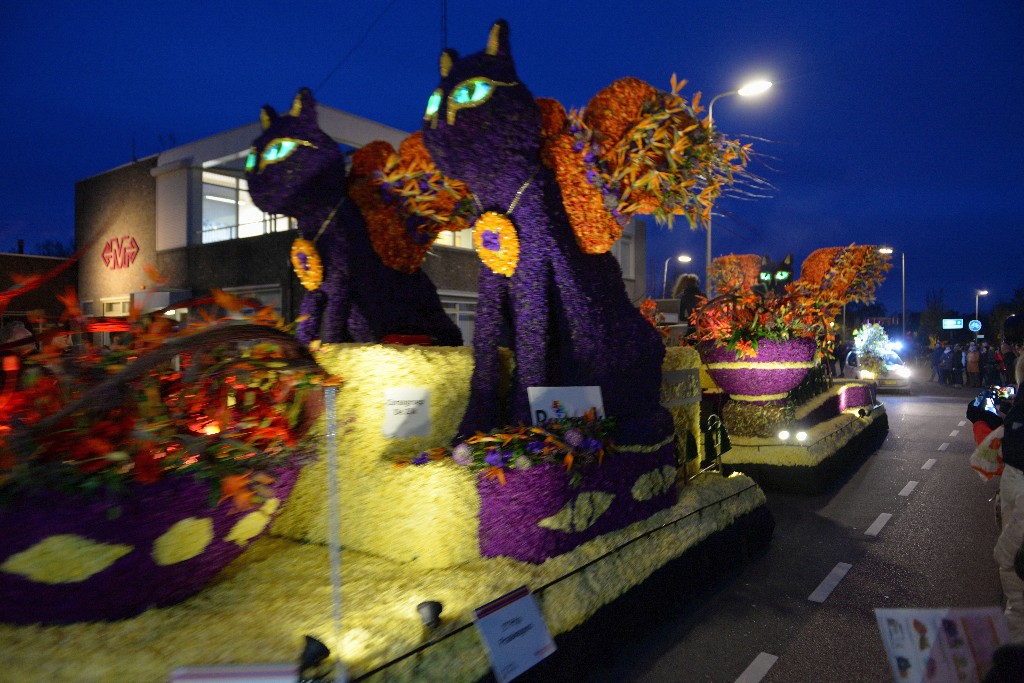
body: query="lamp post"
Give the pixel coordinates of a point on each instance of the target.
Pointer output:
(903, 278)
(682, 258)
(978, 293)
(748, 90)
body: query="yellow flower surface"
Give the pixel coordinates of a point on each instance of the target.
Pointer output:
(253, 523)
(580, 513)
(186, 539)
(286, 584)
(64, 558)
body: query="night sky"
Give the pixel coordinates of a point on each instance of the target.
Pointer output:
(895, 123)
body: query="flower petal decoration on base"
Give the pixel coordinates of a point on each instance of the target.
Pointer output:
(775, 369)
(307, 264)
(496, 242)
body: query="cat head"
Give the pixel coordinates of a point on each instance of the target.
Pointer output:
(481, 123)
(293, 163)
(775, 275)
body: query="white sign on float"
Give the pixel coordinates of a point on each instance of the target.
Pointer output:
(406, 412)
(556, 403)
(514, 632)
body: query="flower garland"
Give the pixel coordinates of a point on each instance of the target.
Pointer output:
(307, 264)
(571, 442)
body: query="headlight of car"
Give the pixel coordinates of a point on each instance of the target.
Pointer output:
(900, 371)
(867, 374)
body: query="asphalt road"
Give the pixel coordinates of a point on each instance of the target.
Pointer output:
(934, 551)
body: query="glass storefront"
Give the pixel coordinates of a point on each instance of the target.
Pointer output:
(229, 212)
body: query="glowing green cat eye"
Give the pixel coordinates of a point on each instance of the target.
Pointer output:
(250, 161)
(474, 90)
(433, 104)
(766, 276)
(279, 149)
(471, 92)
(782, 275)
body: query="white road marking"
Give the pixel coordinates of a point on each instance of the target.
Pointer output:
(908, 488)
(826, 587)
(758, 668)
(944, 446)
(928, 464)
(961, 423)
(955, 432)
(877, 525)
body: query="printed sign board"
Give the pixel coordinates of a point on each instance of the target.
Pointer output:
(554, 403)
(514, 632)
(954, 644)
(952, 323)
(406, 412)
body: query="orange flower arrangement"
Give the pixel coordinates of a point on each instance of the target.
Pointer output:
(405, 200)
(635, 150)
(742, 315)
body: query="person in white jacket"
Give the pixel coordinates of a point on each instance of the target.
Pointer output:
(1011, 507)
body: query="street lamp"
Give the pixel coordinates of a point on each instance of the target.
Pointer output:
(748, 90)
(978, 293)
(682, 258)
(903, 277)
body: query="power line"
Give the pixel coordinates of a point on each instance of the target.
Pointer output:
(358, 44)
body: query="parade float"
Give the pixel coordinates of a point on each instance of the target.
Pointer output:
(434, 486)
(764, 342)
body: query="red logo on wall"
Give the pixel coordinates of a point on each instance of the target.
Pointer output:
(120, 252)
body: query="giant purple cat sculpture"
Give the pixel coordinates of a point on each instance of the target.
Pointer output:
(297, 170)
(566, 314)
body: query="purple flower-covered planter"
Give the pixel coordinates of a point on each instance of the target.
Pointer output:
(135, 581)
(749, 379)
(510, 513)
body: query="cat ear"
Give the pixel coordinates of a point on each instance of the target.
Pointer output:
(267, 116)
(448, 58)
(303, 102)
(497, 40)
(764, 260)
(789, 260)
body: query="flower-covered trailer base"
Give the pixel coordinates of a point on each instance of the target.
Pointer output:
(842, 426)
(260, 608)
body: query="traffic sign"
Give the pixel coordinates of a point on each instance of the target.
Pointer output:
(952, 323)
(974, 326)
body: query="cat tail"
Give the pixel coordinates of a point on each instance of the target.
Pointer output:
(405, 200)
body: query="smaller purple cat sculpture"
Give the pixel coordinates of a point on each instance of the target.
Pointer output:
(297, 170)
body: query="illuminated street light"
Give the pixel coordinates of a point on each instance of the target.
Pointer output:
(978, 293)
(903, 277)
(682, 258)
(751, 89)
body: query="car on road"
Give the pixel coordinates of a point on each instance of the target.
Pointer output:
(896, 376)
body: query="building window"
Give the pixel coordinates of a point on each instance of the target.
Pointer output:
(229, 212)
(623, 251)
(463, 239)
(117, 308)
(462, 311)
(267, 295)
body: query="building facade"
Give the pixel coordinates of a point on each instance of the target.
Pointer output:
(172, 226)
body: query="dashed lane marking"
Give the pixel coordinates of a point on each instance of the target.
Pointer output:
(826, 587)
(758, 668)
(929, 463)
(908, 488)
(877, 525)
(955, 432)
(961, 423)
(944, 446)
